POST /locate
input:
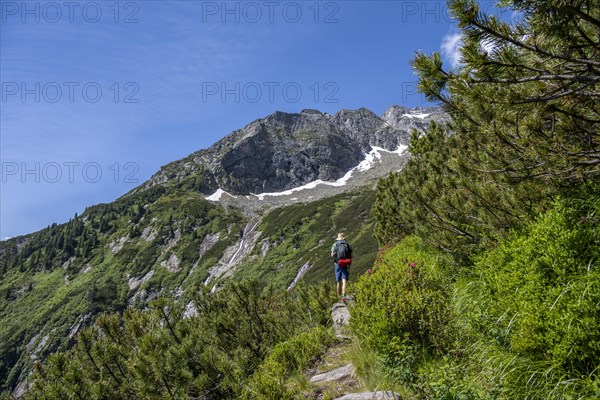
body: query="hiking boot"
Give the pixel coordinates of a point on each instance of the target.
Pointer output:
(343, 298)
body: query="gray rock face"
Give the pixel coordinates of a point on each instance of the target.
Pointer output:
(285, 150)
(235, 253)
(407, 119)
(336, 375)
(381, 395)
(303, 270)
(280, 157)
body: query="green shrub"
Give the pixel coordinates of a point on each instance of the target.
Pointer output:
(543, 288)
(287, 358)
(402, 309)
(530, 314)
(447, 378)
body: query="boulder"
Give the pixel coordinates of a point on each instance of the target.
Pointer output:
(336, 375)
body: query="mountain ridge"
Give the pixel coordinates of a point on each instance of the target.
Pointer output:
(285, 150)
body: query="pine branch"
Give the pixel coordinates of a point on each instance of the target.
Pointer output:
(583, 15)
(534, 49)
(575, 78)
(553, 97)
(587, 38)
(171, 329)
(449, 225)
(508, 170)
(576, 116)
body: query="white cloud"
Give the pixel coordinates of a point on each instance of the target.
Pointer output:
(450, 46)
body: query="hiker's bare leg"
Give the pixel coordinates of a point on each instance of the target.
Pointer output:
(339, 288)
(343, 286)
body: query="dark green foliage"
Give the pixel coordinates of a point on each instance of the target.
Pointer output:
(528, 104)
(509, 188)
(103, 295)
(64, 275)
(522, 322)
(538, 294)
(159, 353)
(524, 126)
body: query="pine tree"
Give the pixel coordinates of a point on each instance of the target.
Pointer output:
(525, 125)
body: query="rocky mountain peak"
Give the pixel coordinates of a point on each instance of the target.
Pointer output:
(357, 122)
(286, 150)
(402, 117)
(311, 111)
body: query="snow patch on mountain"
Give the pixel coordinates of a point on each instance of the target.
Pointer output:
(216, 196)
(400, 150)
(416, 115)
(370, 158)
(340, 182)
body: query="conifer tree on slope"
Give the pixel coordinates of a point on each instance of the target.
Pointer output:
(525, 125)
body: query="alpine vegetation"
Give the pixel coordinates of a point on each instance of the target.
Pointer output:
(492, 225)
(474, 259)
(199, 222)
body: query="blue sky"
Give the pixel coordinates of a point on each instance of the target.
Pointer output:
(96, 96)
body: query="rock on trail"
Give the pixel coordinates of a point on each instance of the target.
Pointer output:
(336, 375)
(381, 395)
(341, 319)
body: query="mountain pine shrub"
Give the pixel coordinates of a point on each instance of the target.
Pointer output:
(161, 352)
(525, 115)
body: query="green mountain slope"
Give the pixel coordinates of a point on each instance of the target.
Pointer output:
(166, 238)
(66, 274)
(302, 234)
(161, 241)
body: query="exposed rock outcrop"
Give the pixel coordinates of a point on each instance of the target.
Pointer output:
(301, 272)
(234, 254)
(287, 150)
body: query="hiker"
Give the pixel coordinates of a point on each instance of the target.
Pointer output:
(341, 251)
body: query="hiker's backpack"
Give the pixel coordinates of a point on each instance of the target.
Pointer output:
(343, 253)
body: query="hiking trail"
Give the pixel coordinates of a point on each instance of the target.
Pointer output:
(334, 375)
